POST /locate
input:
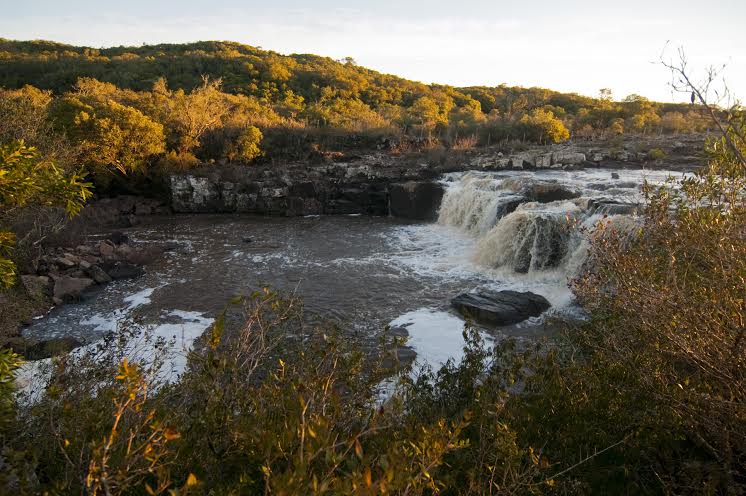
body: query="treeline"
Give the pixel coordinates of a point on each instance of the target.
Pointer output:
(310, 99)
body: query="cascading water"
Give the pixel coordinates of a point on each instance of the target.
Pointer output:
(517, 234)
(534, 237)
(476, 203)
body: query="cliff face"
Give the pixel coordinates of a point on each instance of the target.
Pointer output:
(383, 184)
(360, 187)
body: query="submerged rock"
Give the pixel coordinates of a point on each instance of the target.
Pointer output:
(123, 270)
(70, 288)
(50, 348)
(501, 308)
(118, 238)
(549, 192)
(98, 274)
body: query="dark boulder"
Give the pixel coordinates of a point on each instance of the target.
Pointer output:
(36, 286)
(70, 288)
(415, 200)
(50, 348)
(549, 192)
(122, 270)
(98, 274)
(501, 308)
(118, 238)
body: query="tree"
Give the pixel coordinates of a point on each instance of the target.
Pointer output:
(617, 126)
(605, 95)
(542, 126)
(110, 135)
(245, 148)
(465, 119)
(26, 179)
(673, 122)
(425, 114)
(189, 116)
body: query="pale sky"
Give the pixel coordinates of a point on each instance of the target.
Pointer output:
(573, 45)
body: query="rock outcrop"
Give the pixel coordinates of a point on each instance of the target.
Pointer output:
(501, 308)
(363, 187)
(68, 288)
(416, 199)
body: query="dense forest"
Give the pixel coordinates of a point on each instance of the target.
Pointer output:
(223, 101)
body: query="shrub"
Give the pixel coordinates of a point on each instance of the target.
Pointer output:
(178, 162)
(245, 148)
(269, 407)
(656, 154)
(25, 180)
(650, 393)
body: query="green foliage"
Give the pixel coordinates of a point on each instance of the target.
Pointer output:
(109, 135)
(656, 154)
(9, 362)
(246, 146)
(272, 407)
(542, 126)
(219, 87)
(26, 179)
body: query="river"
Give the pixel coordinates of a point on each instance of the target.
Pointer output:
(363, 273)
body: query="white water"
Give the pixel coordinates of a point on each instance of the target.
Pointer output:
(361, 272)
(524, 236)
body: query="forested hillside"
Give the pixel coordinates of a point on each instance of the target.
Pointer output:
(308, 91)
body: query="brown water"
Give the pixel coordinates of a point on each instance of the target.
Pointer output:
(360, 272)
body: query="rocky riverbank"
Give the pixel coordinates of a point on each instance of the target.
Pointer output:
(64, 275)
(383, 184)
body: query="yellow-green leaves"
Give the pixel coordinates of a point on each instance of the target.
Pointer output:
(26, 179)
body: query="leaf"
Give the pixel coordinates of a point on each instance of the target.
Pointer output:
(191, 480)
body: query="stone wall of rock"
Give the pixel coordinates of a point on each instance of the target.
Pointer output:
(360, 187)
(372, 184)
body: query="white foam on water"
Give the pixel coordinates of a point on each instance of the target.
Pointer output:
(168, 343)
(435, 335)
(140, 298)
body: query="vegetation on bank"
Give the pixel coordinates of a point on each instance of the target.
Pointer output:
(133, 107)
(647, 396)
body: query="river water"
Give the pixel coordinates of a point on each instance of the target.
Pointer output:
(363, 272)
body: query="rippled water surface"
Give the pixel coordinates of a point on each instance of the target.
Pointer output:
(361, 272)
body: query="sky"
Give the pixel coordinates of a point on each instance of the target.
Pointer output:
(573, 45)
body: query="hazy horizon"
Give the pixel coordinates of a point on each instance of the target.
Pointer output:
(580, 49)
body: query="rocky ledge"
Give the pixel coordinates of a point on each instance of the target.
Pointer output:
(362, 187)
(399, 185)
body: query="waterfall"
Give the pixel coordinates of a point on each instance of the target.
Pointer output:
(519, 228)
(477, 203)
(534, 237)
